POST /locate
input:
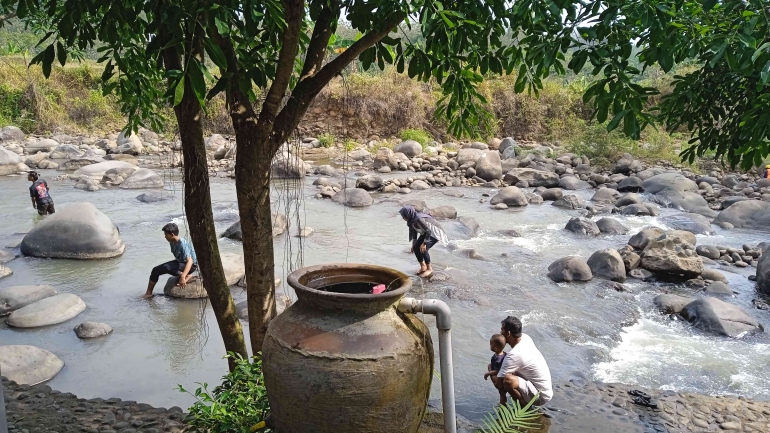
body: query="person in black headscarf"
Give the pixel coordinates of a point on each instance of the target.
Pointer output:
(424, 232)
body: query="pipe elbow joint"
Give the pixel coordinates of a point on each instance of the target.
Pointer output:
(439, 309)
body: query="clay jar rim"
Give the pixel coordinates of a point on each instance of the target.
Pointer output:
(335, 273)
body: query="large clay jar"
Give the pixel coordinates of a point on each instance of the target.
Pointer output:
(347, 362)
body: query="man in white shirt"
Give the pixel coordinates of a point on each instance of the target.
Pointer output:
(524, 373)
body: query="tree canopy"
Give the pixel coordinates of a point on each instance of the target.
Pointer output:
(724, 103)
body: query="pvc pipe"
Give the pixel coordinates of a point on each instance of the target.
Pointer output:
(444, 324)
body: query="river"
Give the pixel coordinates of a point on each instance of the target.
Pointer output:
(586, 331)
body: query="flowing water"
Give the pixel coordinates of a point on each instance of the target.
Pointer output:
(587, 331)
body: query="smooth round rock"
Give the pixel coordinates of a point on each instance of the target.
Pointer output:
(193, 290)
(78, 231)
(98, 170)
(48, 311)
(28, 365)
(15, 297)
(92, 330)
(143, 178)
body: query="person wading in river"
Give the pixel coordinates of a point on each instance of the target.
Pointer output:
(186, 261)
(524, 373)
(424, 232)
(41, 197)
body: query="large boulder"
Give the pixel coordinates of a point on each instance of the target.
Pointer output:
(570, 268)
(468, 155)
(533, 177)
(763, 273)
(353, 197)
(552, 194)
(605, 196)
(693, 223)
(28, 365)
(631, 184)
(11, 133)
(142, 178)
(641, 239)
(489, 167)
(511, 196)
(570, 202)
(611, 226)
(48, 311)
(409, 148)
(718, 317)
(193, 290)
(77, 231)
(9, 162)
(279, 221)
(753, 214)
(676, 191)
(383, 158)
(116, 176)
(65, 151)
(629, 199)
(234, 268)
(215, 142)
(79, 162)
(154, 197)
(97, 171)
(370, 182)
(92, 330)
(44, 145)
(505, 144)
(672, 255)
(572, 183)
(607, 264)
(582, 226)
(359, 155)
(670, 304)
(444, 213)
(287, 166)
(130, 145)
(15, 297)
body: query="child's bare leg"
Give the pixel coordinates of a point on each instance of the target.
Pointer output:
(503, 397)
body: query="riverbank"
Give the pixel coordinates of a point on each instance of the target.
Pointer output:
(576, 407)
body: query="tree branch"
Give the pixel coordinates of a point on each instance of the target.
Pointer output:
(7, 17)
(294, 11)
(309, 86)
(319, 41)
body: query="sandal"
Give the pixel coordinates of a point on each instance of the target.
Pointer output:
(426, 274)
(645, 402)
(638, 393)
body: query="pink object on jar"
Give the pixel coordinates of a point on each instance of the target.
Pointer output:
(378, 289)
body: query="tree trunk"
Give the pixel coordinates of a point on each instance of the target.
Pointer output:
(252, 180)
(201, 221)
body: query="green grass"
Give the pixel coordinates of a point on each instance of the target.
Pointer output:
(417, 135)
(350, 145)
(326, 140)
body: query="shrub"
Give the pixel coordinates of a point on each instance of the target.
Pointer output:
(350, 145)
(236, 405)
(417, 135)
(326, 140)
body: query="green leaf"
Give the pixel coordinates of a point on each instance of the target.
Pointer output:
(61, 53)
(179, 92)
(709, 4)
(48, 57)
(764, 76)
(616, 120)
(215, 53)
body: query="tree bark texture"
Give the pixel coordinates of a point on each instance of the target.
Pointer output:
(201, 218)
